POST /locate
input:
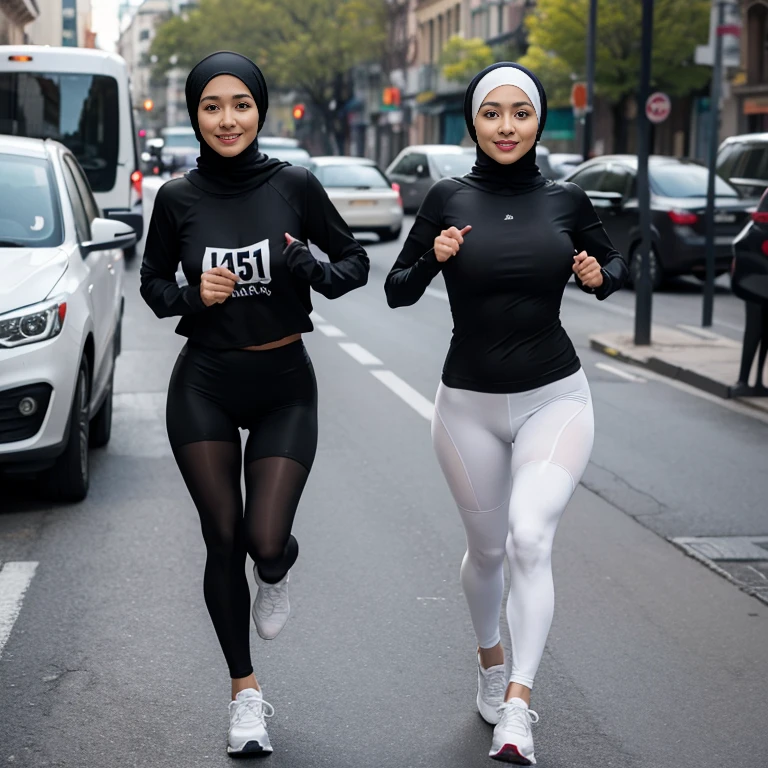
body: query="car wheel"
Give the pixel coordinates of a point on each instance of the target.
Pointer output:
(635, 265)
(101, 424)
(387, 235)
(69, 477)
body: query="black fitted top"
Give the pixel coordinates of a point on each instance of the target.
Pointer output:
(245, 232)
(506, 283)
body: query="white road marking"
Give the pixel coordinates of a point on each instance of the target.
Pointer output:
(732, 326)
(362, 355)
(406, 392)
(436, 293)
(315, 318)
(701, 332)
(430, 598)
(331, 330)
(619, 372)
(14, 580)
(591, 301)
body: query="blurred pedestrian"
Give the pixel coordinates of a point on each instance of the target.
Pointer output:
(513, 424)
(231, 223)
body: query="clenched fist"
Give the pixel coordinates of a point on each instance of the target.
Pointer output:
(447, 243)
(588, 270)
(216, 285)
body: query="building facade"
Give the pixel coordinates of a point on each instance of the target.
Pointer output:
(62, 22)
(15, 16)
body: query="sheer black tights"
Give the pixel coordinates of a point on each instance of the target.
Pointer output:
(261, 529)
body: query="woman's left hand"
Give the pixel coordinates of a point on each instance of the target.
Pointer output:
(588, 270)
(300, 260)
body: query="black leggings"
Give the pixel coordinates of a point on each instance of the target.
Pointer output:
(272, 394)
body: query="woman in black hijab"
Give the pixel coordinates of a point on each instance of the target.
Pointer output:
(236, 225)
(513, 424)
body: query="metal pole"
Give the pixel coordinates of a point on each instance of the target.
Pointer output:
(714, 130)
(591, 42)
(643, 291)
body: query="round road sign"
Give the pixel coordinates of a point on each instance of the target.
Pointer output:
(658, 107)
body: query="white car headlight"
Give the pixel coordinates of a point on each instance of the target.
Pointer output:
(37, 322)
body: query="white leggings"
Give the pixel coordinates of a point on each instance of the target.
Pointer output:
(512, 463)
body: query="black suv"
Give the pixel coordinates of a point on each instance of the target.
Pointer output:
(678, 203)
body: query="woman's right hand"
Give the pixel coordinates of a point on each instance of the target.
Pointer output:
(448, 241)
(216, 285)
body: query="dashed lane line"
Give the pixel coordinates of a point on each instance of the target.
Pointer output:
(406, 392)
(15, 578)
(362, 355)
(331, 330)
(619, 372)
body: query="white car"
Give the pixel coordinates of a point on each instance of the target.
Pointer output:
(61, 303)
(362, 194)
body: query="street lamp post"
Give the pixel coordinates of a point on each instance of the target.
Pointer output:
(643, 288)
(591, 45)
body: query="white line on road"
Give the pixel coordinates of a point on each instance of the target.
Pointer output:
(315, 318)
(14, 580)
(331, 330)
(436, 293)
(701, 332)
(362, 355)
(583, 298)
(732, 326)
(619, 372)
(406, 392)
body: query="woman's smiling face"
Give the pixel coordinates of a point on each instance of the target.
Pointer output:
(228, 115)
(506, 124)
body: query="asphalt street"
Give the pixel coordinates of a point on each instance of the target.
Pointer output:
(653, 658)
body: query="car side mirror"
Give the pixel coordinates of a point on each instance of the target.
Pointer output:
(606, 199)
(126, 216)
(420, 171)
(109, 233)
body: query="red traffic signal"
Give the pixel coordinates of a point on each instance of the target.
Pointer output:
(298, 112)
(390, 97)
(149, 105)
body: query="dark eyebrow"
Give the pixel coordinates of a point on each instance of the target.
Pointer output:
(498, 106)
(218, 98)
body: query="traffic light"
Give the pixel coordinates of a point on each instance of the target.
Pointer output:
(298, 112)
(390, 97)
(149, 105)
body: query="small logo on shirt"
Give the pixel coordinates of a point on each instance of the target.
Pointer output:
(509, 217)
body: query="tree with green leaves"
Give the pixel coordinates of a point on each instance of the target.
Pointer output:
(308, 45)
(557, 49)
(462, 59)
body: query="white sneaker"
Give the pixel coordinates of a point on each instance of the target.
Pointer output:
(512, 737)
(247, 728)
(271, 608)
(491, 687)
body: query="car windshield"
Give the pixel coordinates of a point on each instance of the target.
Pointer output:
(80, 111)
(452, 165)
(686, 180)
(29, 212)
(358, 176)
(184, 140)
(294, 156)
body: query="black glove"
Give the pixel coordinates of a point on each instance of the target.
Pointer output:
(302, 264)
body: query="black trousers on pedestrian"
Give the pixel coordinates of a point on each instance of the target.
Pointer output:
(273, 395)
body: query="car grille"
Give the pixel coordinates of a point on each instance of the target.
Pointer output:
(14, 425)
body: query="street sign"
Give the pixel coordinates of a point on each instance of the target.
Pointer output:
(657, 107)
(579, 99)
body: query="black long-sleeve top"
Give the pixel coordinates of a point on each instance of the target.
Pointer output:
(245, 232)
(506, 283)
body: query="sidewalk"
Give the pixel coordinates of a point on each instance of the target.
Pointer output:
(695, 356)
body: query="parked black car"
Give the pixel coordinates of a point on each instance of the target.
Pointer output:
(750, 256)
(743, 162)
(678, 203)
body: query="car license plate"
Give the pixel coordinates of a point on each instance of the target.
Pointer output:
(362, 202)
(725, 218)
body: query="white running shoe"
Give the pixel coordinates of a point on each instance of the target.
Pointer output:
(247, 728)
(271, 608)
(491, 687)
(512, 737)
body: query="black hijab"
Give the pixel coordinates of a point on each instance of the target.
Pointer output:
(515, 178)
(251, 168)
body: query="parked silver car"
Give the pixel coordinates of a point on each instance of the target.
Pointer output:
(365, 198)
(419, 166)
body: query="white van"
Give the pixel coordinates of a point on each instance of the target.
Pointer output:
(80, 97)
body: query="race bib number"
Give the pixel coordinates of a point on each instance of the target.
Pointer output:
(250, 263)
